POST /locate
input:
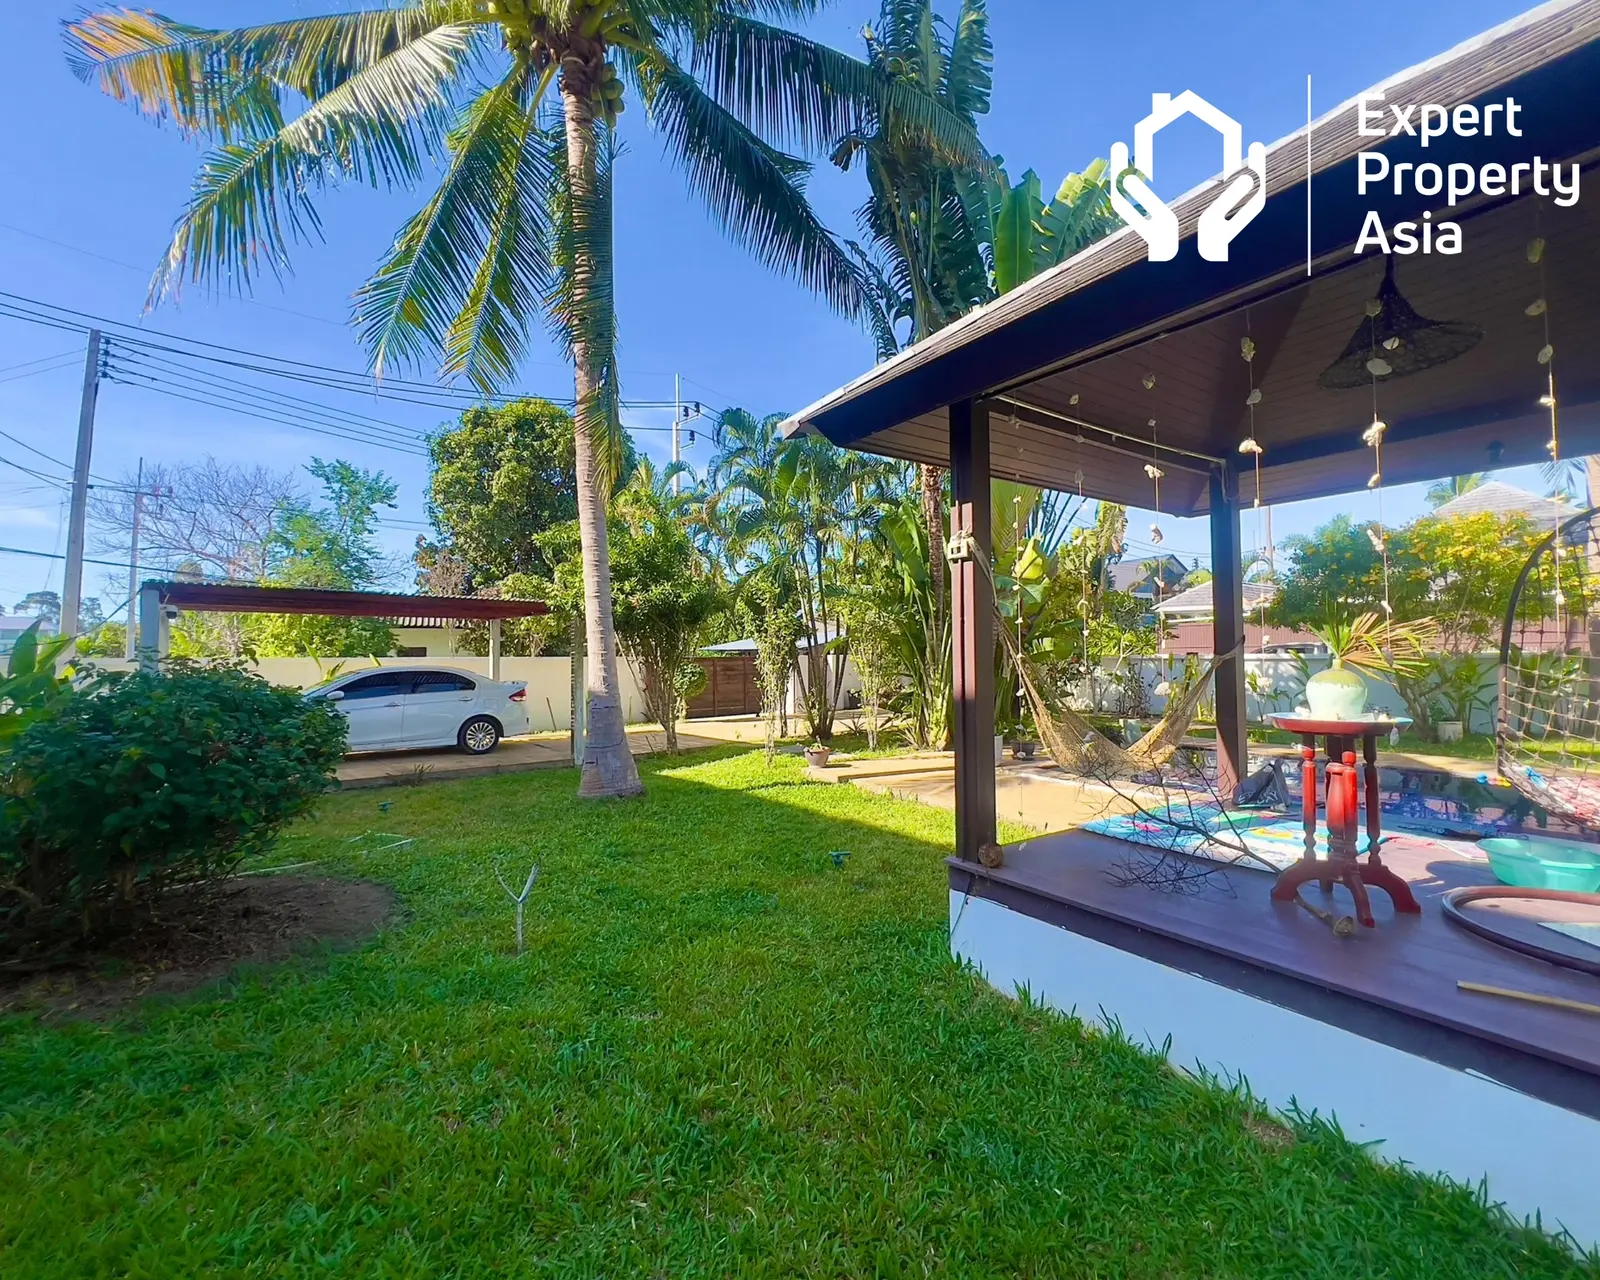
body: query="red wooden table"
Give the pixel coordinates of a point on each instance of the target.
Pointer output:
(1343, 789)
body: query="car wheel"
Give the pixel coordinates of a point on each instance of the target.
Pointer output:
(479, 736)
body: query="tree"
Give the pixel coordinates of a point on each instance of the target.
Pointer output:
(1456, 486)
(521, 221)
(498, 478)
(45, 605)
(664, 597)
(1338, 563)
(217, 516)
(331, 547)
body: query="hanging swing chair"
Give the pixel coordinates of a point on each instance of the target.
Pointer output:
(1547, 730)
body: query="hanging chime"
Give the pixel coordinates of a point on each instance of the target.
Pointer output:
(1247, 349)
(1539, 309)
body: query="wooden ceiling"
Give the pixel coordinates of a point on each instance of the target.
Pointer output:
(1063, 363)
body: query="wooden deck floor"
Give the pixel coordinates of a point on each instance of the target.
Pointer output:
(1407, 966)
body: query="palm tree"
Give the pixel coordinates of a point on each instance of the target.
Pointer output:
(1455, 487)
(519, 223)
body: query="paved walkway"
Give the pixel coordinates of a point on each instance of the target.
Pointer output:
(1036, 796)
(517, 755)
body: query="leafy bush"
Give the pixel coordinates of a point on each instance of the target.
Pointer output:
(144, 782)
(31, 687)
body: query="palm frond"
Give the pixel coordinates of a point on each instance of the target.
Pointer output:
(752, 189)
(251, 199)
(786, 87)
(229, 85)
(472, 267)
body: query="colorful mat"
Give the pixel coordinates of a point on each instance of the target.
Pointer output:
(1260, 841)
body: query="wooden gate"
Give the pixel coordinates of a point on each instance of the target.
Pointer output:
(732, 688)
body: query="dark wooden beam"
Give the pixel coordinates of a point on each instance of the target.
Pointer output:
(972, 626)
(1227, 598)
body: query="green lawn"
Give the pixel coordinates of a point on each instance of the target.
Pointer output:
(721, 1057)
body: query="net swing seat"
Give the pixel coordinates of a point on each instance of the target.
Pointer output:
(1547, 727)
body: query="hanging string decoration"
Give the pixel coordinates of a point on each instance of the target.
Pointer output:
(1249, 446)
(1151, 468)
(1155, 473)
(1539, 309)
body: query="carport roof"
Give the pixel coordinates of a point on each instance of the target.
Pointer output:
(232, 597)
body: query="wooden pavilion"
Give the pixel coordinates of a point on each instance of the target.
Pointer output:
(1111, 364)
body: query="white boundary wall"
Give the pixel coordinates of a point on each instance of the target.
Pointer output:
(1435, 1118)
(549, 680)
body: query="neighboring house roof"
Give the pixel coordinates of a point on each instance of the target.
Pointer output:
(1130, 575)
(20, 622)
(1493, 497)
(825, 635)
(1197, 600)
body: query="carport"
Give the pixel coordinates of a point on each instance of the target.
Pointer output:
(159, 603)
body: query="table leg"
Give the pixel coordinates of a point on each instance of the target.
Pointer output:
(1308, 797)
(1369, 752)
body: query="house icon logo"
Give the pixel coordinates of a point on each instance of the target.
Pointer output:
(1242, 195)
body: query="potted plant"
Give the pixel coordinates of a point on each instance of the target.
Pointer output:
(1356, 645)
(817, 755)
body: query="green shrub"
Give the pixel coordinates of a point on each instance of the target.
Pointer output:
(144, 782)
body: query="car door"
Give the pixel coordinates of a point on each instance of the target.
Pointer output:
(437, 706)
(374, 706)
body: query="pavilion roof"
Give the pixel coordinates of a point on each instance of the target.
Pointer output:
(1064, 363)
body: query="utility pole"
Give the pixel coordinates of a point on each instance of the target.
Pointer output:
(131, 649)
(677, 417)
(72, 584)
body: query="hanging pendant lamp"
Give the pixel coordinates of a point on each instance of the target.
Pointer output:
(1392, 341)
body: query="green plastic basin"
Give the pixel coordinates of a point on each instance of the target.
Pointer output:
(1540, 862)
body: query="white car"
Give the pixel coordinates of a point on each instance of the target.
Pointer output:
(396, 708)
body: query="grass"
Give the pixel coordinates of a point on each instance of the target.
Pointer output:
(721, 1056)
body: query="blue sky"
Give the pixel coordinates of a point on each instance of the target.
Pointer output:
(91, 191)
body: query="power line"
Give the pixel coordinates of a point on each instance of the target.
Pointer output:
(60, 355)
(156, 366)
(55, 481)
(235, 406)
(56, 555)
(433, 395)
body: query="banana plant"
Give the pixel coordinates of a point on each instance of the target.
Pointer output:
(32, 687)
(1024, 235)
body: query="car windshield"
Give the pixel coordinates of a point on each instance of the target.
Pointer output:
(317, 690)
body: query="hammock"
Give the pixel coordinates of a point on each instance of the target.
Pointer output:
(1077, 746)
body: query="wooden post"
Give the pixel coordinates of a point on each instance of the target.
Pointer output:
(1227, 600)
(972, 630)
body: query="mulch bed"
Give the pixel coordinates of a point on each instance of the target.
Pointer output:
(194, 936)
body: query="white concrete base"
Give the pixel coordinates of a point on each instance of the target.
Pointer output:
(1432, 1117)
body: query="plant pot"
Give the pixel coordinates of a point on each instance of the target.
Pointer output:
(1337, 694)
(999, 748)
(1023, 750)
(818, 757)
(1449, 730)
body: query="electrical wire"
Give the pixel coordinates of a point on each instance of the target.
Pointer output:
(37, 475)
(437, 395)
(202, 379)
(139, 382)
(60, 355)
(65, 466)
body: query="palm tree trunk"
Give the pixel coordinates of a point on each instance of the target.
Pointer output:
(608, 767)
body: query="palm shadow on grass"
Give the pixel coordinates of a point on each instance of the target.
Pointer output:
(722, 1054)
